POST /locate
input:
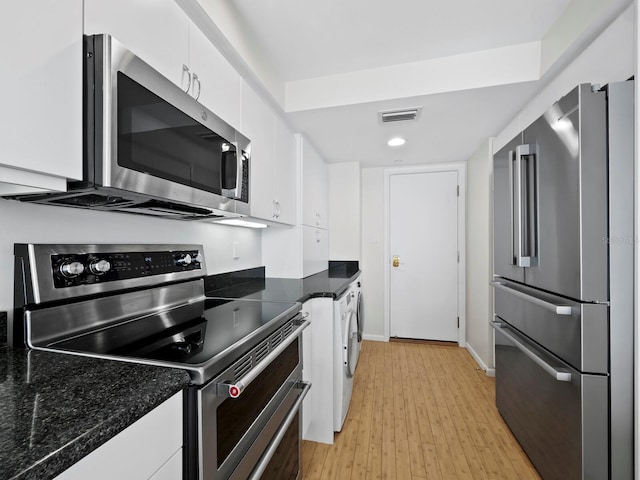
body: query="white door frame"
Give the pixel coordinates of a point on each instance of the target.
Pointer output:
(460, 168)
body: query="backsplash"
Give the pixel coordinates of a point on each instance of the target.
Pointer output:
(31, 223)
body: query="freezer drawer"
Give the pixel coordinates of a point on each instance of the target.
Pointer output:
(559, 416)
(578, 333)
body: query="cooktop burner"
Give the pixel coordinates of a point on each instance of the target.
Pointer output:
(225, 324)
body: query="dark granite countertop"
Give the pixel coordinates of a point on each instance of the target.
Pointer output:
(253, 285)
(57, 408)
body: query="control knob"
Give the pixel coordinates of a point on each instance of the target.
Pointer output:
(71, 269)
(99, 267)
(184, 260)
(197, 258)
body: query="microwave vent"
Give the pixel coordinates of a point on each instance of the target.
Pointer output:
(403, 115)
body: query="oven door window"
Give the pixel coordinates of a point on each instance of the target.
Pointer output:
(235, 416)
(156, 138)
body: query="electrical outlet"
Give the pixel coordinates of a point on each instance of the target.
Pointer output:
(236, 250)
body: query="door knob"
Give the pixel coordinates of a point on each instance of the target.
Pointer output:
(396, 261)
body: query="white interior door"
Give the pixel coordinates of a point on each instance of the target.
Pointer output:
(423, 241)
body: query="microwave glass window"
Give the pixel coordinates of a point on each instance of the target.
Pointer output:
(156, 138)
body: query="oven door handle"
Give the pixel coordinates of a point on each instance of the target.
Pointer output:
(233, 390)
(559, 375)
(273, 446)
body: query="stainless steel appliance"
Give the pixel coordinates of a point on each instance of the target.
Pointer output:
(149, 147)
(563, 278)
(146, 304)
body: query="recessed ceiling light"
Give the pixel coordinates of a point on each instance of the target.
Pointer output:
(396, 142)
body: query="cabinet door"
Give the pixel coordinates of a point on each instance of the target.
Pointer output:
(258, 123)
(41, 72)
(285, 176)
(315, 179)
(218, 82)
(138, 451)
(155, 30)
(315, 251)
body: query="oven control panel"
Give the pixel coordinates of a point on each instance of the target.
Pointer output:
(71, 270)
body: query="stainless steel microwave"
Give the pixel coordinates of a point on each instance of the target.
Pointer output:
(151, 148)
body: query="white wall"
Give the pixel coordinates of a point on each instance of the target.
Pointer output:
(29, 223)
(479, 255)
(372, 263)
(344, 211)
(609, 58)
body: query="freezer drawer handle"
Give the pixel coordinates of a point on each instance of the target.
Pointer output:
(559, 375)
(557, 309)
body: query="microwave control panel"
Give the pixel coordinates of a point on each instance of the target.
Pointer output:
(70, 270)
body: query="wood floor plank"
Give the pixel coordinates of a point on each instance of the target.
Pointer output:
(419, 411)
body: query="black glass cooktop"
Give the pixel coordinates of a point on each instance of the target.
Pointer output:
(221, 329)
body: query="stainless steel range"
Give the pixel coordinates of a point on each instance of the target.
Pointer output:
(146, 304)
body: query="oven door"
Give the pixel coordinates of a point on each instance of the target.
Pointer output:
(244, 409)
(154, 139)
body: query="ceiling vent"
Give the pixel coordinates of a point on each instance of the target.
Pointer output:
(405, 114)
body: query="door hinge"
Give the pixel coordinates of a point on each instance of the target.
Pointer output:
(458, 256)
(458, 190)
(458, 322)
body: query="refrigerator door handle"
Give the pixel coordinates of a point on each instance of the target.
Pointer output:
(557, 309)
(525, 209)
(559, 375)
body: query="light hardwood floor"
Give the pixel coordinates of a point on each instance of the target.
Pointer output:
(419, 411)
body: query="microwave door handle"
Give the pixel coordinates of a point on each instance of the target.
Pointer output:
(234, 191)
(559, 375)
(239, 163)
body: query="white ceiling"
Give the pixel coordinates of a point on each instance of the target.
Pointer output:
(306, 39)
(340, 62)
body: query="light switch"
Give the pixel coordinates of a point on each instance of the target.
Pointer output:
(236, 250)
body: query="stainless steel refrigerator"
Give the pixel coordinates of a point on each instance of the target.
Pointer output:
(563, 278)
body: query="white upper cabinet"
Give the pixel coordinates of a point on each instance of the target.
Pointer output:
(285, 173)
(155, 30)
(220, 84)
(258, 124)
(41, 77)
(273, 162)
(315, 186)
(161, 33)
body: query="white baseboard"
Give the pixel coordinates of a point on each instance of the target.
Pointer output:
(490, 372)
(375, 338)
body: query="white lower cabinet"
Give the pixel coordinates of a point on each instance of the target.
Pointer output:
(317, 407)
(172, 470)
(151, 448)
(307, 368)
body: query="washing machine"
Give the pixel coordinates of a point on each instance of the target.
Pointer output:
(346, 352)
